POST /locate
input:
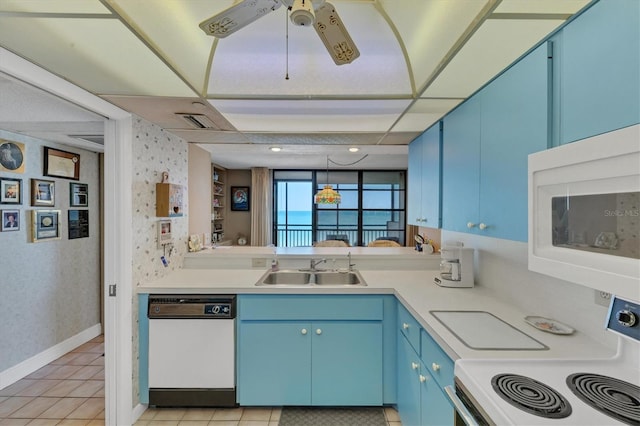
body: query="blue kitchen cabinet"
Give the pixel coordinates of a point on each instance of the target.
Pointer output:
(275, 363)
(423, 371)
(424, 179)
(598, 81)
(486, 142)
(310, 350)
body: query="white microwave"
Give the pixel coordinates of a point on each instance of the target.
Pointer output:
(584, 212)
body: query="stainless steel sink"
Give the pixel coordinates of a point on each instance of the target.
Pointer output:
(311, 278)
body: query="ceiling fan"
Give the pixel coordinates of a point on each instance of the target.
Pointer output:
(319, 13)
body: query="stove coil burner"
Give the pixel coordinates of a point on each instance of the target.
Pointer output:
(617, 399)
(531, 396)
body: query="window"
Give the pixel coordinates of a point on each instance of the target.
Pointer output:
(372, 207)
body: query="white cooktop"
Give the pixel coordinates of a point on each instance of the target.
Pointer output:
(481, 330)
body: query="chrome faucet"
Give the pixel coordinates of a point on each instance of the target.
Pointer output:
(314, 263)
(351, 265)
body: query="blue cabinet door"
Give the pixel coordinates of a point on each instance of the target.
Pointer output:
(414, 182)
(514, 124)
(274, 363)
(436, 408)
(461, 166)
(346, 363)
(431, 177)
(599, 68)
(409, 400)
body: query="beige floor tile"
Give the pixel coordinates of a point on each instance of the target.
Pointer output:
(100, 415)
(395, 423)
(199, 414)
(38, 388)
(99, 375)
(253, 423)
(86, 358)
(2, 398)
(88, 410)
(43, 372)
(66, 358)
(227, 414)
(256, 413)
(86, 389)
(193, 423)
(276, 412)
(90, 347)
(33, 408)
(391, 414)
(148, 414)
(63, 388)
(12, 389)
(224, 423)
(273, 423)
(62, 372)
(170, 414)
(86, 372)
(43, 422)
(73, 422)
(141, 422)
(98, 339)
(62, 408)
(14, 422)
(12, 404)
(163, 423)
(98, 361)
(96, 422)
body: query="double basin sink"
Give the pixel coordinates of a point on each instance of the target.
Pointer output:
(311, 278)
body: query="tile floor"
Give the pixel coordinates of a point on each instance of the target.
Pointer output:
(247, 416)
(68, 391)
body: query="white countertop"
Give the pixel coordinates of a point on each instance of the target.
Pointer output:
(415, 289)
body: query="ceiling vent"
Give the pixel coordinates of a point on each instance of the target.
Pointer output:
(198, 121)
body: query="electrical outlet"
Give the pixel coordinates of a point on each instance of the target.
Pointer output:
(602, 298)
(258, 263)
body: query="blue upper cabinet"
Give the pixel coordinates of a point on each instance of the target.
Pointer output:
(598, 75)
(424, 179)
(486, 142)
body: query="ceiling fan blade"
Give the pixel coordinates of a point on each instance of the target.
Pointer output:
(334, 35)
(238, 16)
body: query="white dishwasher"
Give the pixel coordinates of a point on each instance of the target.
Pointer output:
(192, 350)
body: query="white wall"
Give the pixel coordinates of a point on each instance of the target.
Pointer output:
(502, 266)
(50, 290)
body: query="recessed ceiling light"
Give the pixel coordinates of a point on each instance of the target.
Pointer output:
(354, 149)
(275, 149)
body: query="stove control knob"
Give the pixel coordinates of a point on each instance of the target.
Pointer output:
(626, 318)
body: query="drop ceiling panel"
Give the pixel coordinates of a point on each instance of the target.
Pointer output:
(210, 136)
(541, 6)
(57, 6)
(429, 28)
(314, 139)
(100, 55)
(399, 138)
(423, 113)
(253, 61)
(312, 115)
(492, 48)
(172, 27)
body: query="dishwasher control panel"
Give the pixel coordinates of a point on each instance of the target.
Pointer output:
(192, 306)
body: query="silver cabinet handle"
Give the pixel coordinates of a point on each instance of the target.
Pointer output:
(459, 406)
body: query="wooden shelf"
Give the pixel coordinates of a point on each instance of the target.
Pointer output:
(218, 210)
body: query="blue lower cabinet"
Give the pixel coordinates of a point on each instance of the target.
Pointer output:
(274, 363)
(310, 363)
(436, 407)
(408, 376)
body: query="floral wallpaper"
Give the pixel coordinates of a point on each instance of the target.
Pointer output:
(154, 151)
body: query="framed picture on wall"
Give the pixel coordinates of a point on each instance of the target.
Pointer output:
(43, 192)
(11, 156)
(62, 164)
(10, 220)
(78, 194)
(45, 225)
(10, 191)
(240, 198)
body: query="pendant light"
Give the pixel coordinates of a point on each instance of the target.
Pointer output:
(327, 195)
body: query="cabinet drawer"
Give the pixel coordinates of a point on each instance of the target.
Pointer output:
(438, 363)
(315, 307)
(409, 327)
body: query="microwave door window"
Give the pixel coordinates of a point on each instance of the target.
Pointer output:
(601, 223)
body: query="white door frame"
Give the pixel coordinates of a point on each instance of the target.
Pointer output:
(117, 241)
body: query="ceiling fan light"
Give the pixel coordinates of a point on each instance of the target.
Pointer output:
(327, 196)
(302, 13)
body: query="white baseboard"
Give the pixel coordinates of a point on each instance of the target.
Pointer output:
(28, 366)
(137, 412)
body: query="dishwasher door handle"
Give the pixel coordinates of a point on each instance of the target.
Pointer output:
(460, 407)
